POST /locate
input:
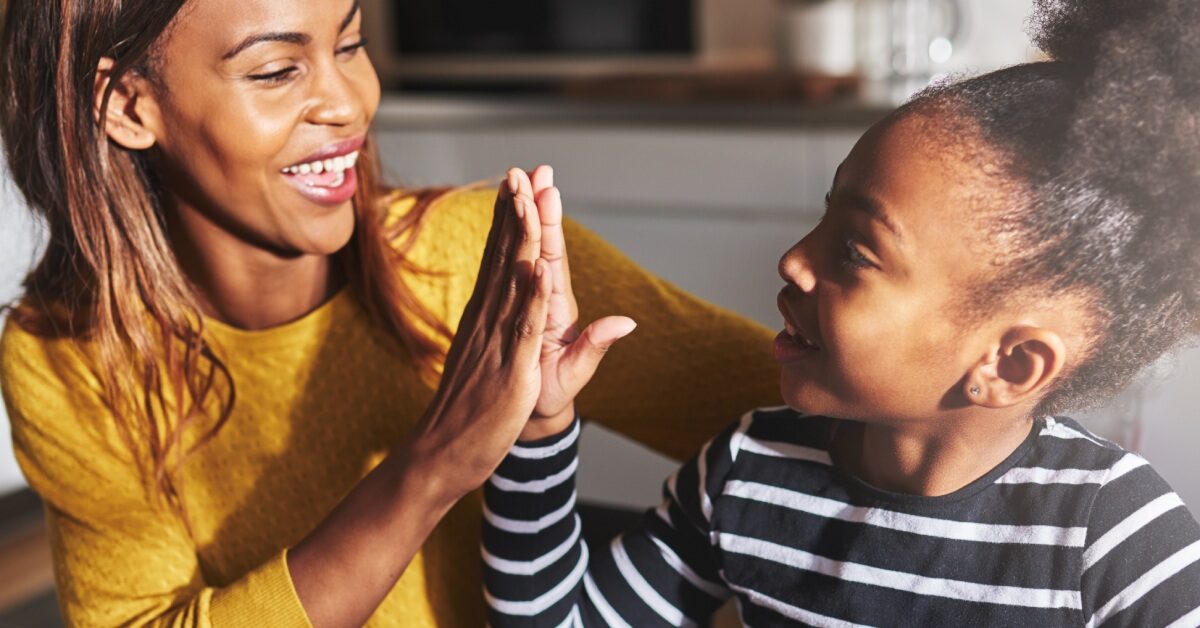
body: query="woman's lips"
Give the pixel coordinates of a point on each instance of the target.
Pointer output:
(327, 188)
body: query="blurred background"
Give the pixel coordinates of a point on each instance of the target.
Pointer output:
(698, 136)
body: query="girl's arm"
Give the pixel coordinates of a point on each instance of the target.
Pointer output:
(538, 571)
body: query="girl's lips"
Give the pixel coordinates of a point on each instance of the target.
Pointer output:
(326, 195)
(789, 350)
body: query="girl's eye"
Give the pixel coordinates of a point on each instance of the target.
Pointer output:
(275, 77)
(352, 49)
(854, 258)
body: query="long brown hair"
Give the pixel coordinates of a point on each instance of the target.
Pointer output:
(109, 277)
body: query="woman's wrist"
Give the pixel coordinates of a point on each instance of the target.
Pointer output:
(421, 482)
(539, 428)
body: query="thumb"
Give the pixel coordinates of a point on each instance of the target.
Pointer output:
(584, 355)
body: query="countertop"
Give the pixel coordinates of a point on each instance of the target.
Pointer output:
(409, 111)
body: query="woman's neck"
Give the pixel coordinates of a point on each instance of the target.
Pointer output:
(930, 459)
(248, 286)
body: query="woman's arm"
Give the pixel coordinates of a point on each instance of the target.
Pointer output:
(122, 559)
(346, 566)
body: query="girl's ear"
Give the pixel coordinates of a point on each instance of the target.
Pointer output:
(1020, 368)
(132, 115)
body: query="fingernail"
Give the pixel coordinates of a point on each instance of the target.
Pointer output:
(539, 269)
(513, 183)
(520, 205)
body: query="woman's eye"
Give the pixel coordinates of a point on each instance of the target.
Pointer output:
(352, 49)
(275, 77)
(854, 257)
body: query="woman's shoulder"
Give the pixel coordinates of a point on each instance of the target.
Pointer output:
(26, 356)
(442, 207)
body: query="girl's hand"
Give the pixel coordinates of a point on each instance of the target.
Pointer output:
(493, 372)
(569, 357)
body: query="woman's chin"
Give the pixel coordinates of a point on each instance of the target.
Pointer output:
(328, 234)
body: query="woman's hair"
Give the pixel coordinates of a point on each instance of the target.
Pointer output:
(109, 277)
(1102, 143)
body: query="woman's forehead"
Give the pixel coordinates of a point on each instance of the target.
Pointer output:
(224, 23)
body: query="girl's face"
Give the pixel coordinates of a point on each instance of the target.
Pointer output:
(263, 107)
(877, 286)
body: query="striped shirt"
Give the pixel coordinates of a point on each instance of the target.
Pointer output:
(1070, 530)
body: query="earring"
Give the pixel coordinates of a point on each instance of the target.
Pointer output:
(975, 390)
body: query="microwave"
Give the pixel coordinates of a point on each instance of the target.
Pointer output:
(443, 43)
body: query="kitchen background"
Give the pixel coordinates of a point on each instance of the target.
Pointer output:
(699, 136)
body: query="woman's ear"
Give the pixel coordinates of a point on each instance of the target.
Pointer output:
(1020, 368)
(131, 117)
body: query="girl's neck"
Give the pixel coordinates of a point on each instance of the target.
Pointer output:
(246, 286)
(929, 458)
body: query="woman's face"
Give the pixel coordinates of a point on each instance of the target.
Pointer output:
(878, 285)
(263, 106)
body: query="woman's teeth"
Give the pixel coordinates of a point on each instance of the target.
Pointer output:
(337, 165)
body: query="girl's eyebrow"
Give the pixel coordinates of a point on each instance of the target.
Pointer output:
(300, 39)
(874, 208)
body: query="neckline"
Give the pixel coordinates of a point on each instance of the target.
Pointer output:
(316, 320)
(861, 488)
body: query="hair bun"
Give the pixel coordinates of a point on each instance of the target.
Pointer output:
(1087, 32)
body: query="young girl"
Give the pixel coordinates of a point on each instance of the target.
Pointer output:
(997, 251)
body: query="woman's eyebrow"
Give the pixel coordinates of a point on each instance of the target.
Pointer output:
(301, 39)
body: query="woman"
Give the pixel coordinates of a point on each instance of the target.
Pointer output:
(214, 368)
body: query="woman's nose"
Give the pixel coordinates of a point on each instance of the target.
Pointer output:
(336, 102)
(795, 267)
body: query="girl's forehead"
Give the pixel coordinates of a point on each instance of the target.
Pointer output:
(934, 185)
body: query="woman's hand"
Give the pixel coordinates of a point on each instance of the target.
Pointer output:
(492, 377)
(569, 357)
(489, 388)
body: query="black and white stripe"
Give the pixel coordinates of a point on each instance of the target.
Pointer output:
(1069, 530)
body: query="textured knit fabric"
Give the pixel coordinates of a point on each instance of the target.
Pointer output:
(1070, 530)
(319, 402)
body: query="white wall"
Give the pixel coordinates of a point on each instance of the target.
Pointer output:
(19, 241)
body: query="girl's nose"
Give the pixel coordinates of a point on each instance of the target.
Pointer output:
(795, 267)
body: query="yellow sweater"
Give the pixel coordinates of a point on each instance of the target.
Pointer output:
(319, 402)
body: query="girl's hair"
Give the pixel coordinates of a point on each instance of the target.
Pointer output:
(1102, 144)
(109, 277)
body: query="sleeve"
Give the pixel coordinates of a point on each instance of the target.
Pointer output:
(120, 558)
(538, 572)
(1141, 563)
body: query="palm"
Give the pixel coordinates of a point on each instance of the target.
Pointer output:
(569, 355)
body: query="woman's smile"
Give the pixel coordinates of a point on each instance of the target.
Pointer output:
(327, 177)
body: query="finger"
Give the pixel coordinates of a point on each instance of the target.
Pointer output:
(490, 285)
(527, 245)
(543, 179)
(530, 325)
(554, 243)
(584, 355)
(564, 311)
(487, 263)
